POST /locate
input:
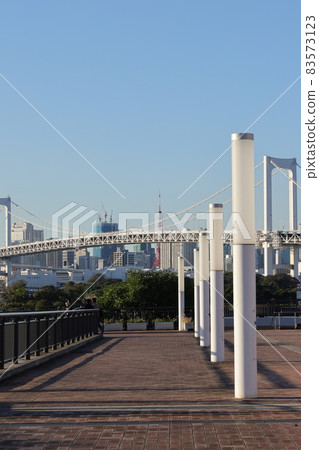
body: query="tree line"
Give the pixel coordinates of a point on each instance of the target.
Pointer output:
(140, 291)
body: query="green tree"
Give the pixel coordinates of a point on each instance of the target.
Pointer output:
(48, 297)
(74, 293)
(15, 297)
(112, 300)
(145, 292)
(278, 289)
(97, 283)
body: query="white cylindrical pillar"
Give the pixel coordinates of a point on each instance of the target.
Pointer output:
(196, 292)
(181, 293)
(243, 201)
(277, 256)
(293, 253)
(204, 289)
(268, 258)
(216, 258)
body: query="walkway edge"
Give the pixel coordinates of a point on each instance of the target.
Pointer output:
(38, 360)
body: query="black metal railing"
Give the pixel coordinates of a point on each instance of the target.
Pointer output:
(31, 333)
(267, 310)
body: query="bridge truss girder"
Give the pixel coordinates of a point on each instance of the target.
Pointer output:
(275, 238)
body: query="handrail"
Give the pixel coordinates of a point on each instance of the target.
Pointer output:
(40, 313)
(22, 337)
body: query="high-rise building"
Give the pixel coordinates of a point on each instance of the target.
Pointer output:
(24, 232)
(107, 251)
(68, 257)
(53, 259)
(119, 257)
(136, 259)
(171, 251)
(145, 255)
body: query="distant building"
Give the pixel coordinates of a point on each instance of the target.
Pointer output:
(171, 251)
(136, 259)
(148, 254)
(105, 252)
(227, 249)
(53, 259)
(22, 233)
(259, 259)
(68, 257)
(35, 278)
(119, 257)
(84, 261)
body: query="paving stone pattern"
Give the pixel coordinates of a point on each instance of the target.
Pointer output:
(154, 390)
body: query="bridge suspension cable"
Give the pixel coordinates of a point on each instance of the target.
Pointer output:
(60, 228)
(286, 175)
(197, 204)
(166, 219)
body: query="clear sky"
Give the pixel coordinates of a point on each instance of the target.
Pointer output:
(149, 93)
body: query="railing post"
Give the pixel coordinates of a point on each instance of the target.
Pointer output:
(46, 334)
(62, 330)
(38, 352)
(2, 343)
(94, 326)
(91, 323)
(16, 341)
(78, 326)
(68, 327)
(55, 317)
(82, 325)
(86, 324)
(28, 337)
(73, 331)
(28, 352)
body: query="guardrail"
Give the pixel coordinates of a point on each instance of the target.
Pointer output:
(27, 334)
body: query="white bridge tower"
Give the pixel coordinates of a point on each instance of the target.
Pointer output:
(290, 164)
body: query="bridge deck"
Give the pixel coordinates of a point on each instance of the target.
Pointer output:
(147, 390)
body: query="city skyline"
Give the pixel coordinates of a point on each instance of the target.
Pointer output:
(149, 95)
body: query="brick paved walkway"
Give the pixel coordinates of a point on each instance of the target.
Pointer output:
(154, 390)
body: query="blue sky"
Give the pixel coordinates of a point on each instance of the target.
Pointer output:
(149, 92)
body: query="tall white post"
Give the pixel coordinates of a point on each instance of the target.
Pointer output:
(293, 261)
(244, 266)
(268, 258)
(196, 292)
(7, 203)
(278, 258)
(181, 293)
(204, 289)
(216, 257)
(268, 248)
